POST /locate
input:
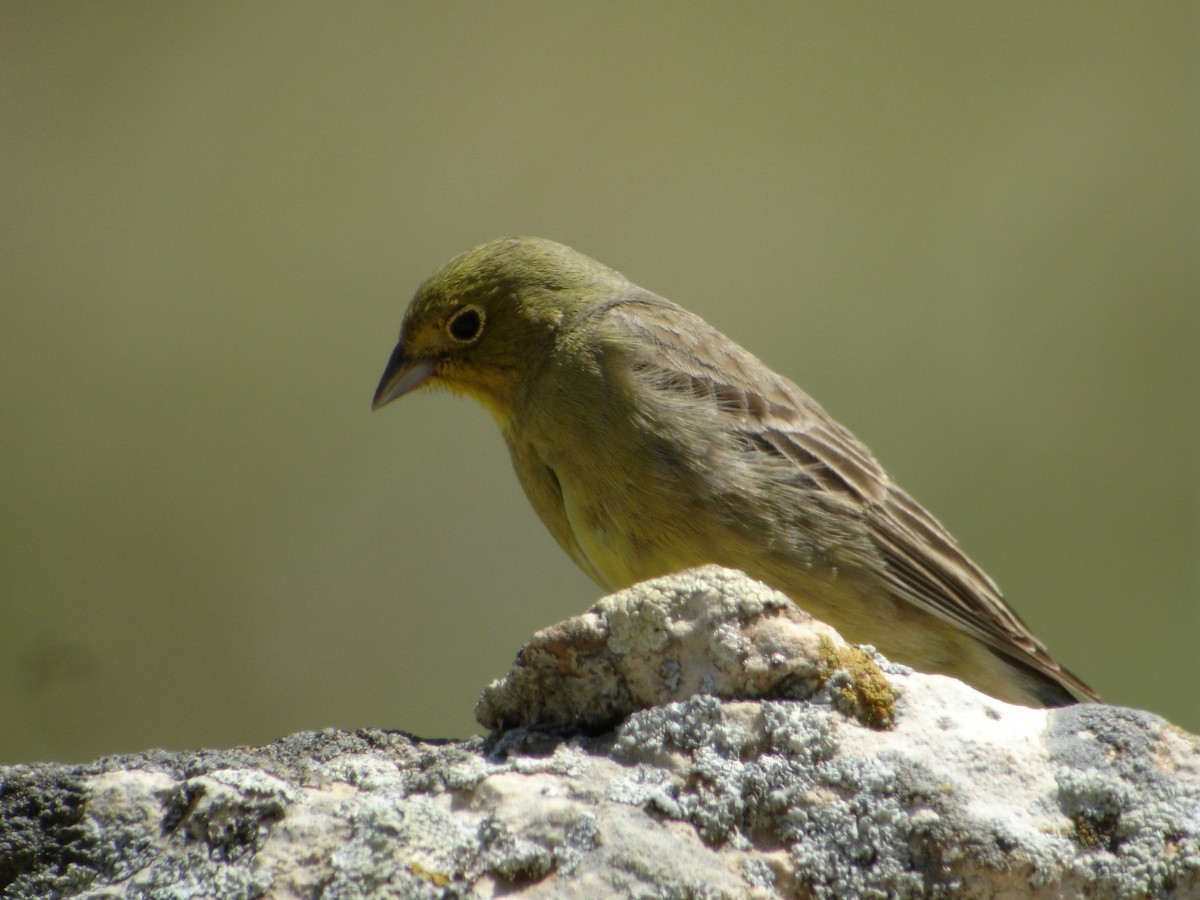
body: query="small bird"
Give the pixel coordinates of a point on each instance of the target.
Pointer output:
(648, 442)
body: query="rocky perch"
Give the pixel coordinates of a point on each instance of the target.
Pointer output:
(693, 736)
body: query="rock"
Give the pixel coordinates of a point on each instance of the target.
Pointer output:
(692, 736)
(705, 631)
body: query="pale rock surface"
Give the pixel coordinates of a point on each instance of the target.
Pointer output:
(695, 736)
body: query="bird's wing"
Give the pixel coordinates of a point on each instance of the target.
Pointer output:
(922, 562)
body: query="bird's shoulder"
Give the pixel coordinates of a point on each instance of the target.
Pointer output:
(677, 363)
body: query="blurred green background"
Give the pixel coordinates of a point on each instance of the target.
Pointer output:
(971, 230)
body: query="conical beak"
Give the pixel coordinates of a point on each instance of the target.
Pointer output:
(403, 374)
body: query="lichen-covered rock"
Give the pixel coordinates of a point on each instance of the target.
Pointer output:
(706, 631)
(774, 781)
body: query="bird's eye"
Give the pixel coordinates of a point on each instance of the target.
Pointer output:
(466, 324)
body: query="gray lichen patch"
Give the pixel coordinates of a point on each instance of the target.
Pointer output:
(1127, 784)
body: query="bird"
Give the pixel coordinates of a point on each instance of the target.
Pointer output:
(648, 442)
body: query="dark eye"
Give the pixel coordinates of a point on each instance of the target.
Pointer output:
(466, 324)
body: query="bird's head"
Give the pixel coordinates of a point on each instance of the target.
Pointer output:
(486, 319)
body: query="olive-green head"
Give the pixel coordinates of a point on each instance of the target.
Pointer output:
(486, 318)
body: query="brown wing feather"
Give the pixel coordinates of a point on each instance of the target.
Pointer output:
(923, 564)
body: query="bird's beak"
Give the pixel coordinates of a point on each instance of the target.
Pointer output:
(403, 374)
